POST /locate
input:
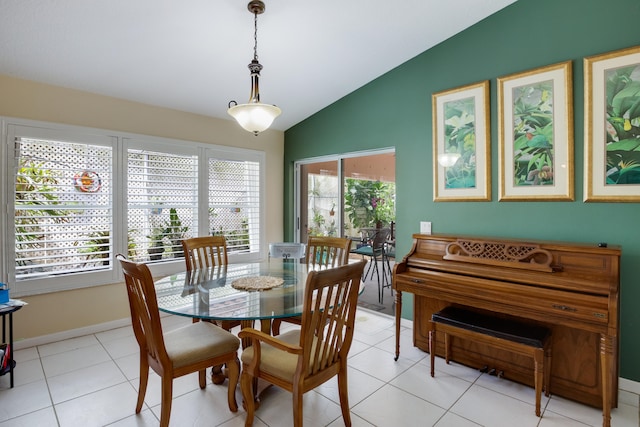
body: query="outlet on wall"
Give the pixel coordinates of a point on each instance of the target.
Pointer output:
(425, 227)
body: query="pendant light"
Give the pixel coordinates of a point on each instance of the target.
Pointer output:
(254, 116)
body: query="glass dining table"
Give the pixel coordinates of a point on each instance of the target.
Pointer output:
(209, 294)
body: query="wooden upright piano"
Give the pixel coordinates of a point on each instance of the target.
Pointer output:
(573, 289)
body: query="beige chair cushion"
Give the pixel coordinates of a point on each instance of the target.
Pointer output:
(274, 361)
(198, 341)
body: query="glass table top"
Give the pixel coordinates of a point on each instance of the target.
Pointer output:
(209, 294)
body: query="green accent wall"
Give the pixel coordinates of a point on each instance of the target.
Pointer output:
(395, 111)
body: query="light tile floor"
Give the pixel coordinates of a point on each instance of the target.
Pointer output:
(92, 381)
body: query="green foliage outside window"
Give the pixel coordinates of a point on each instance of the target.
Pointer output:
(35, 198)
(369, 202)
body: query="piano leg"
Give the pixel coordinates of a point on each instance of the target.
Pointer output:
(398, 298)
(606, 359)
(432, 348)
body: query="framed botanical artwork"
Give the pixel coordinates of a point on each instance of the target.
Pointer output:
(612, 126)
(535, 124)
(461, 144)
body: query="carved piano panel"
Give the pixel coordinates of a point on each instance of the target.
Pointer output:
(571, 288)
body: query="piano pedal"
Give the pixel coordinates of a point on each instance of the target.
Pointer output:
(500, 374)
(493, 372)
(484, 369)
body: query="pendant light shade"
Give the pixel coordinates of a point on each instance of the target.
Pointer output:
(254, 116)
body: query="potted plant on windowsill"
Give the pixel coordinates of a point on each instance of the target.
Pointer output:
(156, 246)
(175, 232)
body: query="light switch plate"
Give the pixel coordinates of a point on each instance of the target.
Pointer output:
(425, 227)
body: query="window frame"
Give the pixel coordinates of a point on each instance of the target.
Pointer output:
(120, 142)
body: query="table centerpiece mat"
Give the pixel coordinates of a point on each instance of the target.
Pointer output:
(259, 283)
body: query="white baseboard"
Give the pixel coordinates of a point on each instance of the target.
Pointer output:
(71, 333)
(629, 385)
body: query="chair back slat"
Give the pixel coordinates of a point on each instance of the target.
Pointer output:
(329, 316)
(205, 252)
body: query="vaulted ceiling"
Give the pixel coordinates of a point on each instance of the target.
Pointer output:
(192, 55)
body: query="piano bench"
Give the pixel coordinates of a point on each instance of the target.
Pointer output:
(505, 334)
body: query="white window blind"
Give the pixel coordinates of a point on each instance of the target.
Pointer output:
(74, 197)
(162, 191)
(234, 203)
(63, 207)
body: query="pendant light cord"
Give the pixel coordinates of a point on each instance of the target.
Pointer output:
(255, 36)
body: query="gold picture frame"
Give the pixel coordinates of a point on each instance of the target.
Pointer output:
(612, 126)
(461, 144)
(535, 122)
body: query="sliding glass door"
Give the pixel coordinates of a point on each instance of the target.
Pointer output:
(340, 195)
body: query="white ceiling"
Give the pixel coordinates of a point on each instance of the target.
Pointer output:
(192, 55)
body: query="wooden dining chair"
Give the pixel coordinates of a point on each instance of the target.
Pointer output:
(321, 252)
(301, 359)
(191, 348)
(205, 252)
(327, 251)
